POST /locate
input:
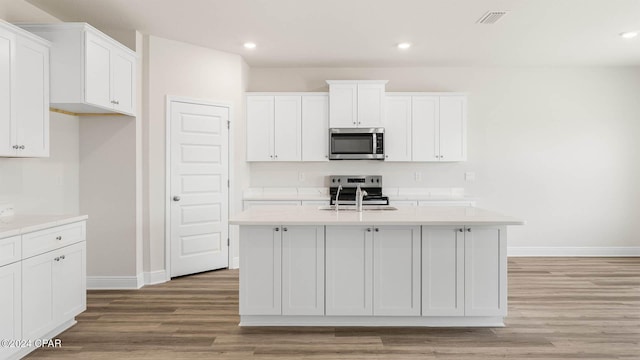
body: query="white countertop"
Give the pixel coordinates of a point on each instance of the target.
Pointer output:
(405, 215)
(21, 224)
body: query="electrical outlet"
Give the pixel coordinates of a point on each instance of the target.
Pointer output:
(418, 176)
(469, 176)
(301, 176)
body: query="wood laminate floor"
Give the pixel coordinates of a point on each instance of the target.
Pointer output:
(559, 308)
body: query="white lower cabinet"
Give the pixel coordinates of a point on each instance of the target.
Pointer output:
(396, 270)
(349, 269)
(44, 287)
(54, 289)
(302, 270)
(10, 305)
(373, 270)
(355, 274)
(282, 270)
(260, 277)
(485, 250)
(442, 271)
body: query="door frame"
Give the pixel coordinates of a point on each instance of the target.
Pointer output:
(167, 165)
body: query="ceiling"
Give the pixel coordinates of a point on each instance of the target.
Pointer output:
(364, 33)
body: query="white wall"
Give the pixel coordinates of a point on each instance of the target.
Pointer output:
(108, 194)
(179, 69)
(557, 147)
(45, 185)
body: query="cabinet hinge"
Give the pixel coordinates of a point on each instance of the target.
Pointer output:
(228, 124)
(228, 183)
(227, 241)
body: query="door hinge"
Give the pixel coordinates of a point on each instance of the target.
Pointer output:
(228, 183)
(228, 124)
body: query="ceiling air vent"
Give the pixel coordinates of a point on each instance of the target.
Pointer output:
(491, 17)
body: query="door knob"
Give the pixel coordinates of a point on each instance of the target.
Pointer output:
(176, 198)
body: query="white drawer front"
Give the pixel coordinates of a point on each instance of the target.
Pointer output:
(10, 250)
(54, 238)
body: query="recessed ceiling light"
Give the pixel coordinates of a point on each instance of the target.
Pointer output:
(629, 34)
(404, 46)
(249, 45)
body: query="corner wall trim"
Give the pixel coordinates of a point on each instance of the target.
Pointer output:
(235, 264)
(155, 277)
(114, 282)
(586, 251)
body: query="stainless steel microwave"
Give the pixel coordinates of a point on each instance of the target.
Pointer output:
(356, 144)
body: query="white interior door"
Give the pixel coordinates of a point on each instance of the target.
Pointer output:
(199, 190)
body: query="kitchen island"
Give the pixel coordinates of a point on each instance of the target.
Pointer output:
(414, 266)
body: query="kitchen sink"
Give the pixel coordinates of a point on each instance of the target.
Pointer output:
(364, 208)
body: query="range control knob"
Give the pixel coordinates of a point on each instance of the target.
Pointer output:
(333, 180)
(377, 180)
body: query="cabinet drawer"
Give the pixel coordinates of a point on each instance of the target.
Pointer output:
(54, 238)
(10, 250)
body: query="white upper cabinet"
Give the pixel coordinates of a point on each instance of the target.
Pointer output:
(24, 93)
(287, 127)
(425, 136)
(356, 103)
(453, 128)
(315, 128)
(90, 72)
(398, 138)
(274, 128)
(426, 127)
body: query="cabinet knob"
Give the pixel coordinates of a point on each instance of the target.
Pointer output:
(15, 146)
(368, 229)
(57, 259)
(460, 230)
(377, 229)
(176, 198)
(58, 237)
(468, 229)
(285, 229)
(276, 156)
(271, 156)
(62, 257)
(277, 229)
(21, 147)
(117, 102)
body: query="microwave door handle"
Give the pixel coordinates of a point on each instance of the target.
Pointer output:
(375, 143)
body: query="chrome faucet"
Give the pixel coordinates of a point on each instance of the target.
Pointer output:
(338, 194)
(360, 194)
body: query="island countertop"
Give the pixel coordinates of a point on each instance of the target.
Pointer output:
(404, 215)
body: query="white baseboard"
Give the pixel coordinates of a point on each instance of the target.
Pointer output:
(155, 277)
(592, 251)
(114, 282)
(235, 263)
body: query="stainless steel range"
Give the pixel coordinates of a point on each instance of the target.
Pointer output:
(348, 185)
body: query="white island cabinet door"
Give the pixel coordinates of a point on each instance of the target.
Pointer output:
(260, 270)
(349, 270)
(425, 140)
(453, 128)
(260, 113)
(315, 128)
(303, 270)
(287, 128)
(442, 271)
(485, 271)
(397, 127)
(396, 271)
(10, 306)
